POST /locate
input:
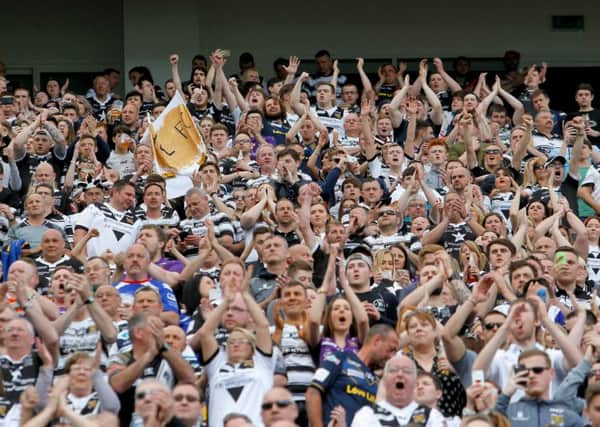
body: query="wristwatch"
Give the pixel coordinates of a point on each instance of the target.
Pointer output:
(90, 300)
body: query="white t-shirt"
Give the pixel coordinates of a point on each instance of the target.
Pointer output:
(122, 163)
(366, 416)
(118, 230)
(592, 178)
(238, 388)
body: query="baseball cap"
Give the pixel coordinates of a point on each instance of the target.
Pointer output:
(360, 257)
(555, 159)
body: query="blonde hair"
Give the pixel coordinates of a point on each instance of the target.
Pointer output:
(379, 257)
(529, 177)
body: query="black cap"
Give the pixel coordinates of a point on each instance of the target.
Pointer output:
(555, 159)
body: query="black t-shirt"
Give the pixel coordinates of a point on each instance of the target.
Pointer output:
(593, 118)
(45, 270)
(384, 301)
(28, 164)
(454, 236)
(16, 377)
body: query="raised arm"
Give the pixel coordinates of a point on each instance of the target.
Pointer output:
(437, 113)
(570, 350)
(423, 291)
(486, 355)
(295, 94)
(101, 318)
(291, 69)
(217, 61)
(252, 215)
(239, 99)
(261, 323)
(291, 134)
(485, 102)
(575, 160)
(204, 338)
(411, 130)
(174, 60)
(436, 234)
(364, 79)
(396, 102)
(28, 299)
(335, 75)
(452, 84)
(19, 141)
(517, 105)
(581, 243)
(466, 123)
(317, 306)
(305, 199)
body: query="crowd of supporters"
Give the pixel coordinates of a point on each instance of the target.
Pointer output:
(419, 250)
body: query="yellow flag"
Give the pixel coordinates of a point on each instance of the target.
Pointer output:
(176, 143)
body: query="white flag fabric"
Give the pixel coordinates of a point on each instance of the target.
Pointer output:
(177, 145)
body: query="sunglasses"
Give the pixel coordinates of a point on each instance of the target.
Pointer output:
(492, 152)
(143, 394)
(390, 213)
(266, 406)
(490, 326)
(189, 397)
(535, 369)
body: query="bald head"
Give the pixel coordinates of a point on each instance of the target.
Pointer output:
(137, 260)
(399, 380)
(53, 245)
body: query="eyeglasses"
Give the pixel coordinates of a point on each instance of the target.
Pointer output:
(189, 397)
(535, 369)
(490, 326)
(389, 213)
(238, 341)
(595, 372)
(492, 152)
(267, 406)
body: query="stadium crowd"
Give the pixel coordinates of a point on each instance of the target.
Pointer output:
(421, 250)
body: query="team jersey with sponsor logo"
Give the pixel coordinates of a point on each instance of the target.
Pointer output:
(343, 379)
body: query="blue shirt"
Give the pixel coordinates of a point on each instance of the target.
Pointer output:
(343, 379)
(127, 289)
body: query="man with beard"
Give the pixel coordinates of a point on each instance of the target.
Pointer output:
(399, 407)
(275, 124)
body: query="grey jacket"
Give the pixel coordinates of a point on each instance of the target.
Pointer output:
(537, 413)
(566, 393)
